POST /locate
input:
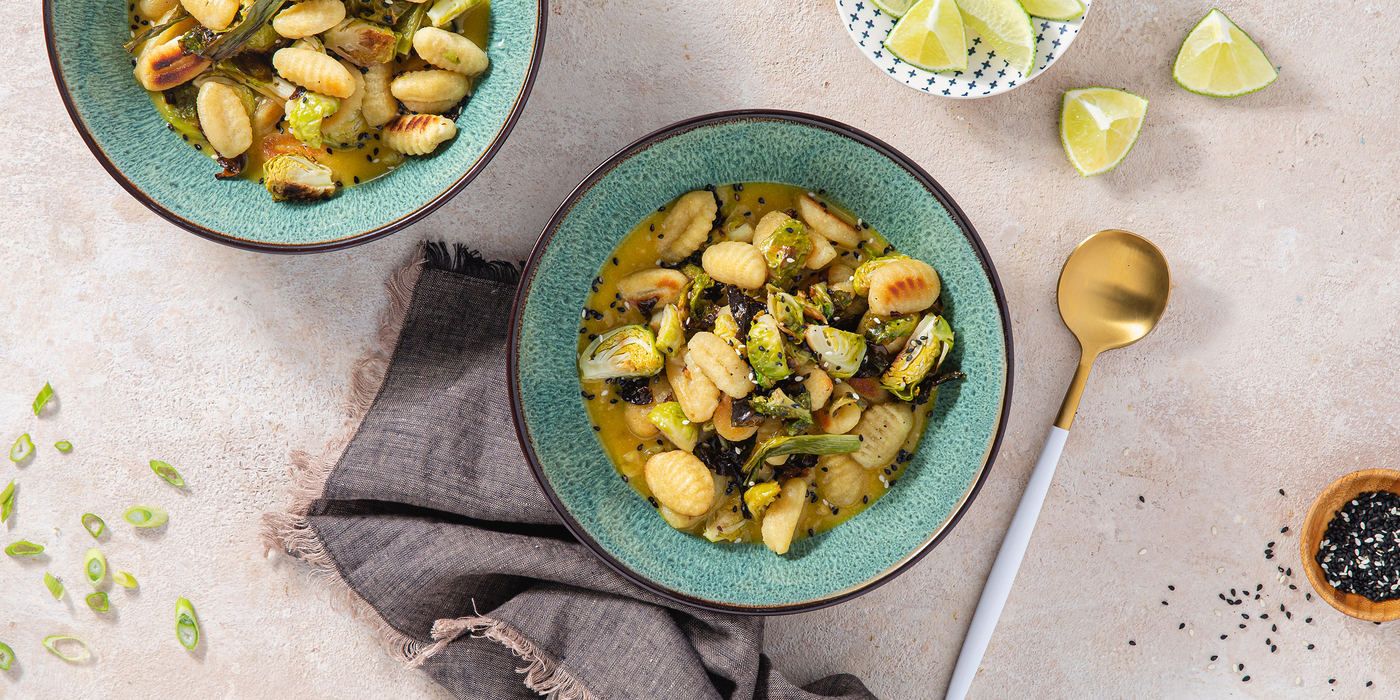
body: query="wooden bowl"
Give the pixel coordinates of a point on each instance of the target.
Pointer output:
(1319, 516)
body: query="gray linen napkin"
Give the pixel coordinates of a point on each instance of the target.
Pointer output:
(425, 521)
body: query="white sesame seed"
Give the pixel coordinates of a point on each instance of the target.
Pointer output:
(1210, 667)
(1142, 551)
(1217, 613)
(1212, 529)
(1220, 570)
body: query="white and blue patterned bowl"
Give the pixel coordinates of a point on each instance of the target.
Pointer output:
(865, 176)
(988, 73)
(121, 127)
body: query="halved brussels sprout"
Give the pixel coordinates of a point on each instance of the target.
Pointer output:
(839, 352)
(694, 296)
(737, 228)
(670, 419)
(627, 351)
(931, 341)
(767, 354)
(883, 329)
(860, 281)
(786, 251)
(759, 496)
(780, 405)
(727, 328)
(817, 303)
(669, 333)
(787, 310)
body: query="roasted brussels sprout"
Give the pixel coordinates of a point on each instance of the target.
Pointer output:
(305, 113)
(694, 296)
(817, 303)
(787, 310)
(669, 333)
(838, 352)
(296, 177)
(670, 419)
(786, 251)
(767, 352)
(759, 496)
(860, 282)
(365, 44)
(881, 330)
(627, 351)
(779, 405)
(929, 344)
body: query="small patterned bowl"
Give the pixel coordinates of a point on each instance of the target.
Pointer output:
(116, 119)
(988, 74)
(870, 179)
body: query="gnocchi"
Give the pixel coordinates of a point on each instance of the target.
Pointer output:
(164, 64)
(758, 363)
(449, 51)
(379, 105)
(418, 134)
(214, 14)
(308, 18)
(224, 119)
(903, 287)
(430, 91)
(314, 71)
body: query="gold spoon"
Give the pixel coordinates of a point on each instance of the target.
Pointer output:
(1113, 290)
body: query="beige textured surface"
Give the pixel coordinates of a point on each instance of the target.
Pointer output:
(1273, 369)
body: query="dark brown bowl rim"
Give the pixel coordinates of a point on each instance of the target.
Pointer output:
(296, 248)
(522, 292)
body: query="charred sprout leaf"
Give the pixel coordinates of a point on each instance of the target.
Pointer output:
(759, 496)
(930, 384)
(167, 472)
(930, 343)
(798, 444)
(670, 335)
(407, 25)
(94, 566)
(177, 107)
(7, 655)
(233, 167)
(145, 516)
(155, 30)
(22, 448)
(55, 587)
(743, 414)
(633, 390)
(786, 251)
(881, 330)
(73, 655)
(788, 312)
(45, 394)
(744, 307)
(721, 457)
(292, 176)
(691, 270)
(767, 353)
(860, 282)
(23, 548)
(627, 351)
(7, 501)
(305, 114)
(671, 421)
(363, 43)
(93, 524)
(838, 352)
(232, 41)
(694, 296)
(97, 601)
(780, 405)
(444, 11)
(877, 360)
(123, 579)
(63, 446)
(197, 40)
(186, 626)
(817, 303)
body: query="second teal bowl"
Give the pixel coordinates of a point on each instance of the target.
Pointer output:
(869, 179)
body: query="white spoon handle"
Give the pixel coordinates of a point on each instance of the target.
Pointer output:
(1003, 575)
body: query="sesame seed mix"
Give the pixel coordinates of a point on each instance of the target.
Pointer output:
(1360, 552)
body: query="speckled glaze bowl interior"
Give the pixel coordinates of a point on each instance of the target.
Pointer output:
(116, 119)
(871, 180)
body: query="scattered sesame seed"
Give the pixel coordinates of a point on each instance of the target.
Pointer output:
(1132, 643)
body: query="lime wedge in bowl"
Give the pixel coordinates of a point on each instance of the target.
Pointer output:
(1005, 25)
(1098, 126)
(1054, 10)
(894, 8)
(930, 36)
(1220, 60)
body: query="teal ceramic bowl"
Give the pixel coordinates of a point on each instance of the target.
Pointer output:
(868, 178)
(116, 119)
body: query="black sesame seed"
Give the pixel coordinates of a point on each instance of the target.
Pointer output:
(1141, 499)
(1285, 529)
(1244, 615)
(1368, 684)
(1245, 679)
(1132, 643)
(1273, 628)
(1264, 616)
(1310, 646)
(1281, 493)
(865, 499)
(1241, 625)
(357, 179)
(1259, 587)
(810, 532)
(1309, 597)
(1223, 636)
(1309, 620)
(1164, 602)
(1214, 657)
(597, 429)
(1289, 615)
(1181, 626)
(1331, 680)
(1171, 588)
(760, 201)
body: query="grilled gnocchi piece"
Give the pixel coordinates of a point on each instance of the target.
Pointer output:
(224, 119)
(430, 91)
(724, 368)
(379, 105)
(657, 286)
(418, 134)
(903, 287)
(736, 263)
(449, 51)
(780, 520)
(822, 251)
(214, 14)
(839, 420)
(882, 428)
(687, 225)
(308, 18)
(153, 9)
(681, 482)
(827, 224)
(314, 71)
(163, 63)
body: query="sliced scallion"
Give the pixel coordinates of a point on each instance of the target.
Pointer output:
(54, 585)
(94, 524)
(186, 627)
(51, 643)
(63, 445)
(123, 579)
(7, 501)
(97, 601)
(22, 448)
(145, 516)
(94, 566)
(22, 547)
(167, 472)
(45, 394)
(6, 656)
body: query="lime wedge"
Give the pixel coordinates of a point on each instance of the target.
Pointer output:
(894, 8)
(1098, 127)
(1005, 25)
(930, 36)
(1220, 60)
(1054, 10)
